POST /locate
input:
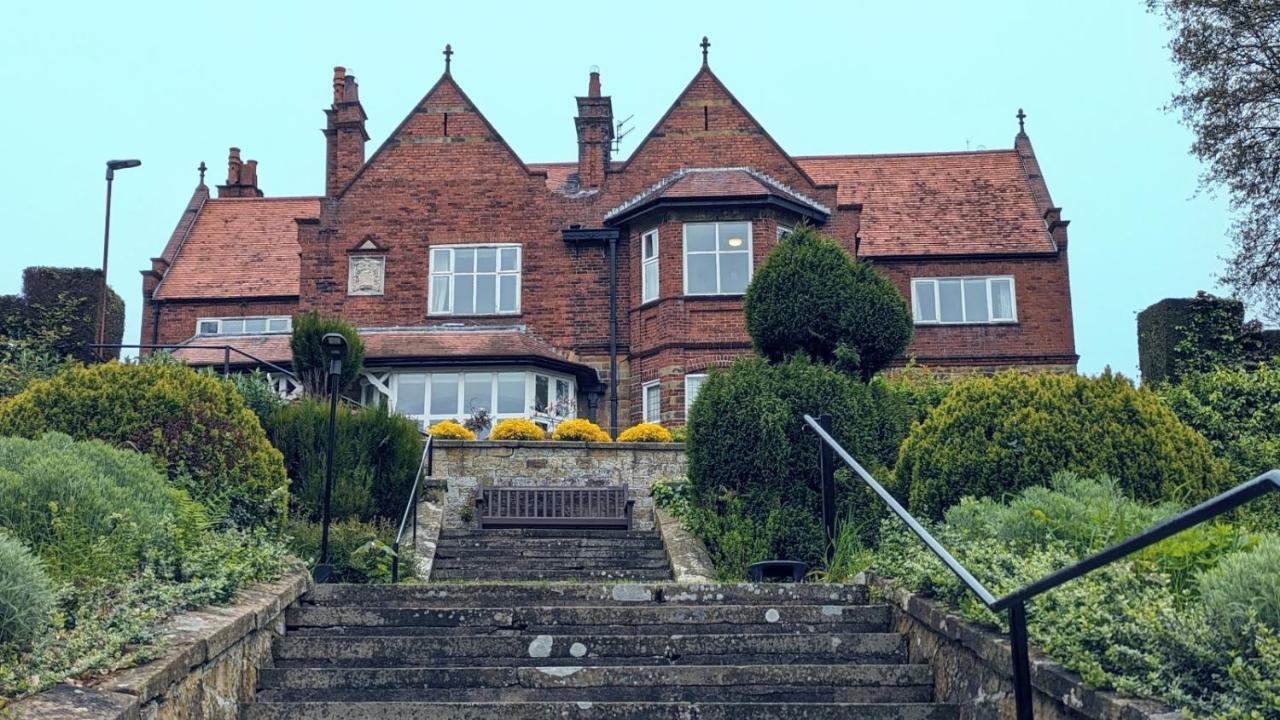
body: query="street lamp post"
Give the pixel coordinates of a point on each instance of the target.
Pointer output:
(112, 167)
(336, 345)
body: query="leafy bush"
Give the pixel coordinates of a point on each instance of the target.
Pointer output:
(450, 430)
(997, 435)
(375, 460)
(195, 427)
(91, 511)
(1238, 412)
(580, 429)
(1244, 585)
(359, 552)
(679, 434)
(25, 595)
(646, 433)
(57, 312)
(517, 429)
(1123, 626)
(257, 392)
(21, 365)
(751, 453)
(311, 359)
(810, 296)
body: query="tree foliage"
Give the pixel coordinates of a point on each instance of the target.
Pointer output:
(1228, 57)
(311, 359)
(810, 296)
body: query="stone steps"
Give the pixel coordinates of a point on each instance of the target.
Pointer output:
(585, 710)
(549, 574)
(526, 594)
(550, 554)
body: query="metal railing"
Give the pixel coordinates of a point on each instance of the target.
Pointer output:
(1015, 602)
(411, 508)
(227, 351)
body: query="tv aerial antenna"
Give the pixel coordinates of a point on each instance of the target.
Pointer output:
(620, 131)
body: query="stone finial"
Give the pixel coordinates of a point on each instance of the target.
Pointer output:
(1022, 117)
(448, 57)
(705, 45)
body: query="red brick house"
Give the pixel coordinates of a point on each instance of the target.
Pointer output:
(479, 280)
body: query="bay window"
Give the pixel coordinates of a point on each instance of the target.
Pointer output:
(429, 397)
(970, 300)
(717, 258)
(475, 280)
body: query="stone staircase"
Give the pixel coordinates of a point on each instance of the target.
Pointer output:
(550, 554)
(525, 651)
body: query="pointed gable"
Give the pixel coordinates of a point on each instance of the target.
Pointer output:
(444, 129)
(704, 126)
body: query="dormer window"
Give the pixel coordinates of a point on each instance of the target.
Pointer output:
(475, 280)
(717, 258)
(244, 325)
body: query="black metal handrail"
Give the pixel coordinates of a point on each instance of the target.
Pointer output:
(411, 508)
(1015, 602)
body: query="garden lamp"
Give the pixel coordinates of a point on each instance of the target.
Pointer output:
(336, 345)
(112, 167)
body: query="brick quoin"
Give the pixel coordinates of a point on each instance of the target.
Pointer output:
(445, 176)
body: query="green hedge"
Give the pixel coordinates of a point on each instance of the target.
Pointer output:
(375, 461)
(810, 296)
(57, 312)
(1178, 337)
(995, 435)
(311, 359)
(196, 427)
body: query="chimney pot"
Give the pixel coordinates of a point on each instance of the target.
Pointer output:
(593, 85)
(339, 81)
(233, 166)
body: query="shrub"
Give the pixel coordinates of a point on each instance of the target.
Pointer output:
(91, 511)
(25, 595)
(359, 552)
(450, 430)
(57, 312)
(21, 365)
(580, 429)
(810, 296)
(1242, 585)
(375, 460)
(194, 426)
(257, 392)
(1238, 412)
(679, 434)
(997, 435)
(311, 360)
(646, 433)
(517, 429)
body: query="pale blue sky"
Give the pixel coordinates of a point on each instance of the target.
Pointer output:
(176, 83)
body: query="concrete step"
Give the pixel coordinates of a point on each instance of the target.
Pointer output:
(585, 710)
(554, 533)
(579, 574)
(575, 649)
(624, 594)
(646, 619)
(688, 683)
(561, 563)
(610, 552)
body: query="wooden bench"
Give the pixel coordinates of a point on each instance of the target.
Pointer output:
(567, 507)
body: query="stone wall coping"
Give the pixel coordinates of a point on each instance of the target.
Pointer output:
(558, 445)
(191, 638)
(690, 561)
(1047, 676)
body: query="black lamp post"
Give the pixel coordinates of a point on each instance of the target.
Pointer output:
(336, 345)
(112, 167)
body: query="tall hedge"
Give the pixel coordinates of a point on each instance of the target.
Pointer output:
(993, 436)
(57, 312)
(752, 457)
(810, 296)
(375, 460)
(195, 427)
(311, 359)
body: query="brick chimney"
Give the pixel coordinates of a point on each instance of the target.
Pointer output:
(242, 177)
(595, 134)
(345, 135)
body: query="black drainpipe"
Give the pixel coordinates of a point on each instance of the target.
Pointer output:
(613, 335)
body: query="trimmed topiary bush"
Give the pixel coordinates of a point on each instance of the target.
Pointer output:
(194, 426)
(517, 429)
(450, 430)
(580, 429)
(311, 359)
(646, 433)
(26, 598)
(375, 461)
(810, 296)
(995, 435)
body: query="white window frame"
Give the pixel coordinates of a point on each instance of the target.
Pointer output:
(649, 294)
(388, 383)
(937, 300)
(718, 252)
(288, 325)
(434, 277)
(688, 399)
(650, 414)
(783, 231)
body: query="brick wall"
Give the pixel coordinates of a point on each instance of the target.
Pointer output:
(178, 318)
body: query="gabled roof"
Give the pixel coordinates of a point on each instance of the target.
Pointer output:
(936, 204)
(728, 183)
(239, 247)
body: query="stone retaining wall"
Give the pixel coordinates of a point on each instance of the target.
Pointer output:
(466, 465)
(208, 668)
(972, 668)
